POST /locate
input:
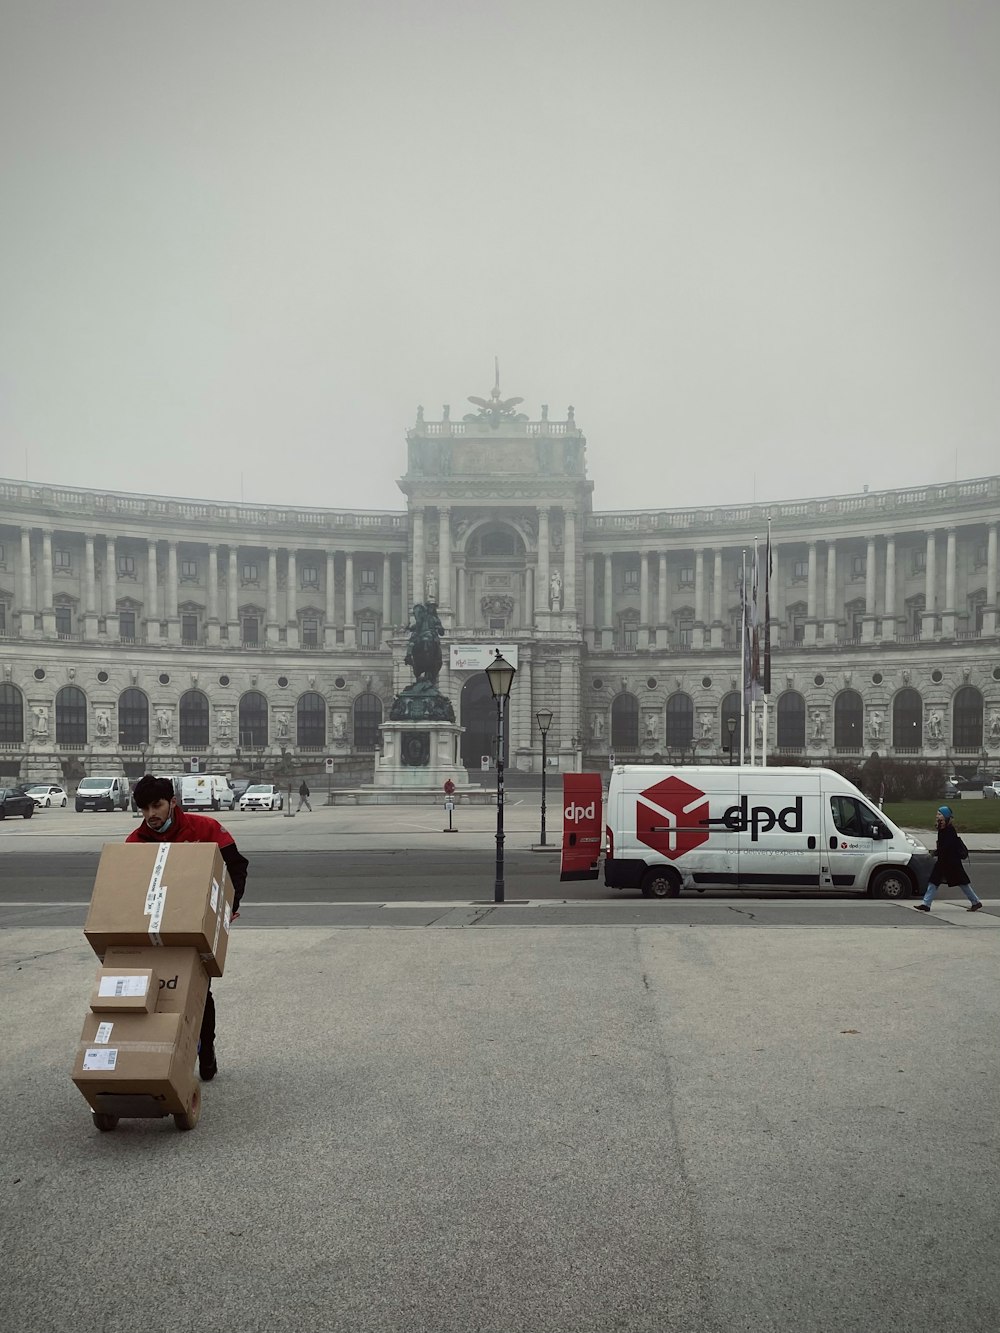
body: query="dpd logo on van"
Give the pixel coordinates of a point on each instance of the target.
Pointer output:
(670, 817)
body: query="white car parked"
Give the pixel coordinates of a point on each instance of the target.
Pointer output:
(261, 796)
(44, 796)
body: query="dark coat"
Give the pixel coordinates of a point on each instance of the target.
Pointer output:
(949, 868)
(186, 827)
(304, 790)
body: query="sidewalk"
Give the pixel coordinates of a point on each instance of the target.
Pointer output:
(427, 1131)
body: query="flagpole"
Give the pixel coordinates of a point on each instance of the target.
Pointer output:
(754, 654)
(743, 657)
(767, 635)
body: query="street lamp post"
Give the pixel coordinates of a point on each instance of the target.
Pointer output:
(731, 728)
(544, 719)
(500, 674)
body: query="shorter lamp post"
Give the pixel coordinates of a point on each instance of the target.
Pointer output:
(500, 674)
(731, 728)
(544, 719)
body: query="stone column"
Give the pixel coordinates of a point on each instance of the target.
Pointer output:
(990, 610)
(662, 640)
(717, 625)
(889, 618)
(418, 556)
(542, 564)
(330, 627)
(233, 598)
(90, 589)
(811, 596)
(110, 587)
(644, 599)
(152, 594)
(386, 598)
(569, 563)
(608, 628)
(868, 624)
(48, 610)
(444, 557)
(461, 579)
(588, 600)
(948, 613)
(173, 623)
(27, 600)
(271, 631)
(699, 599)
(928, 626)
(831, 609)
(292, 601)
(350, 629)
(213, 595)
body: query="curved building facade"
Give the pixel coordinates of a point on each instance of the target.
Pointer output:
(143, 632)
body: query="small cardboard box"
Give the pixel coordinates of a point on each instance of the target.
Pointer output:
(140, 1054)
(182, 979)
(125, 990)
(169, 895)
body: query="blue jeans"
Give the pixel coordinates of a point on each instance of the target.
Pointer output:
(967, 889)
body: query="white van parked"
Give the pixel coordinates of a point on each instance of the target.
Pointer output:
(207, 791)
(102, 793)
(670, 829)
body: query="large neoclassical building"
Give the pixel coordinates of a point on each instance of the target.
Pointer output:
(143, 631)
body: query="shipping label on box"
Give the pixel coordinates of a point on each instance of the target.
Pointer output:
(168, 895)
(126, 990)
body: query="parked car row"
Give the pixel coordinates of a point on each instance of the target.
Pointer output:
(210, 791)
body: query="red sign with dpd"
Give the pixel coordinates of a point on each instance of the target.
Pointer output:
(669, 817)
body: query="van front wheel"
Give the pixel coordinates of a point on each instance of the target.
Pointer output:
(661, 883)
(892, 883)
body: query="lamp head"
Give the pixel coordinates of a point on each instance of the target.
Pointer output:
(500, 674)
(544, 719)
(731, 724)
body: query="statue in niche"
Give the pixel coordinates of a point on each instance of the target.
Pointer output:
(102, 723)
(596, 727)
(706, 726)
(875, 726)
(995, 726)
(818, 727)
(555, 591)
(40, 726)
(652, 727)
(225, 725)
(935, 726)
(339, 727)
(163, 723)
(431, 586)
(282, 721)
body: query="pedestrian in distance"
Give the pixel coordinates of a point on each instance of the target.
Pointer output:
(163, 820)
(303, 797)
(949, 868)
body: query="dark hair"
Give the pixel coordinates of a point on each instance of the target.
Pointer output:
(149, 790)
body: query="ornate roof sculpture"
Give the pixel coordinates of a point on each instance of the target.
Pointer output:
(495, 408)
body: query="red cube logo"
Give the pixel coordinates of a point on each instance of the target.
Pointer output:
(670, 817)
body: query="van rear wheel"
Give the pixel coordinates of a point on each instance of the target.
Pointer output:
(892, 883)
(662, 882)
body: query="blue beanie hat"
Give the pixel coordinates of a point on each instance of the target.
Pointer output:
(946, 811)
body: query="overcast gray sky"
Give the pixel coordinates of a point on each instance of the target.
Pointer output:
(740, 236)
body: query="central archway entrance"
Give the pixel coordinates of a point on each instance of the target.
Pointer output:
(478, 715)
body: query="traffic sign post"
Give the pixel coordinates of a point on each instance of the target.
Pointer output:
(449, 805)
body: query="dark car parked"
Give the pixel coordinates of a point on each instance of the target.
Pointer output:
(15, 803)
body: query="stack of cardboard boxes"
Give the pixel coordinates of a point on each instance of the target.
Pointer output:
(159, 920)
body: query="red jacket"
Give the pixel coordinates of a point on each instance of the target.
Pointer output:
(199, 828)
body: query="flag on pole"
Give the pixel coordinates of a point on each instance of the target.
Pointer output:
(745, 635)
(768, 570)
(754, 610)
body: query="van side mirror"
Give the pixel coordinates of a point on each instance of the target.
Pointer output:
(876, 831)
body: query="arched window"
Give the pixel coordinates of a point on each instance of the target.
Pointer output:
(310, 722)
(253, 720)
(967, 720)
(907, 722)
(71, 716)
(730, 709)
(848, 718)
(791, 721)
(367, 720)
(680, 721)
(11, 714)
(133, 718)
(193, 733)
(625, 724)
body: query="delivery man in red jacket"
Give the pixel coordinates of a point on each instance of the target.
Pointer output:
(163, 820)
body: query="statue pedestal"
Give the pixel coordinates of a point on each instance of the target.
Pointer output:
(417, 759)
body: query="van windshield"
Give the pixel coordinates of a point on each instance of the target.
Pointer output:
(94, 784)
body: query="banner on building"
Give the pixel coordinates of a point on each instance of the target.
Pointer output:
(478, 656)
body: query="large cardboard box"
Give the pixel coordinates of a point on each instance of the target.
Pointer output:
(151, 1055)
(182, 979)
(169, 895)
(125, 990)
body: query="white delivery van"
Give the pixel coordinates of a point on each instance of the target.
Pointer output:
(207, 791)
(670, 829)
(102, 793)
